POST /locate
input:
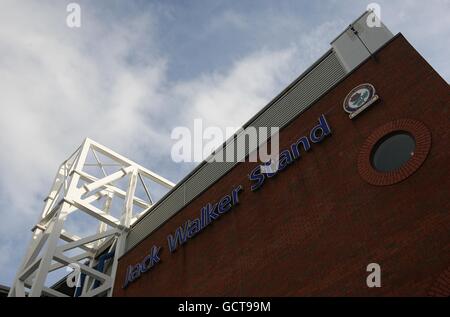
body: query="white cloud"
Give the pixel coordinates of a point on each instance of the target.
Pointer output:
(108, 81)
(423, 23)
(60, 85)
(229, 19)
(56, 92)
(426, 25)
(230, 99)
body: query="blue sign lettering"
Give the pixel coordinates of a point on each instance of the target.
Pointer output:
(135, 271)
(211, 212)
(288, 156)
(208, 214)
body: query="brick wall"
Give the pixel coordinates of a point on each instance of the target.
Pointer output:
(312, 229)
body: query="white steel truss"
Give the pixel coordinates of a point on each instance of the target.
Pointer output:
(75, 190)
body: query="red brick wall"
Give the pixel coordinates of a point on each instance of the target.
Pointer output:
(314, 228)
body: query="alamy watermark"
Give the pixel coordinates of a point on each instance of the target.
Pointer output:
(73, 19)
(208, 144)
(374, 278)
(374, 17)
(73, 278)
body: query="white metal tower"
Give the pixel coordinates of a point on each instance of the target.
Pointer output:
(94, 189)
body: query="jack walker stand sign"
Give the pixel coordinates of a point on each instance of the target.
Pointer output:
(211, 212)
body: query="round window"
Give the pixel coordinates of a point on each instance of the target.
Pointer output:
(393, 151)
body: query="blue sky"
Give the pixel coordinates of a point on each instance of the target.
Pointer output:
(137, 69)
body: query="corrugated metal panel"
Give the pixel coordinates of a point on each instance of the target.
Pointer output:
(311, 87)
(352, 49)
(205, 177)
(170, 206)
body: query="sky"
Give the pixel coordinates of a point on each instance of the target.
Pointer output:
(137, 69)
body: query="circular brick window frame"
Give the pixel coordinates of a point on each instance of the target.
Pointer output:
(422, 137)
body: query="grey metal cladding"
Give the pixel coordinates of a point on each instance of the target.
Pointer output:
(205, 177)
(310, 88)
(352, 48)
(170, 206)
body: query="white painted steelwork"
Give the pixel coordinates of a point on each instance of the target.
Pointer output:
(75, 190)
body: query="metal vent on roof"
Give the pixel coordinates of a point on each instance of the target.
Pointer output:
(205, 177)
(303, 94)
